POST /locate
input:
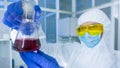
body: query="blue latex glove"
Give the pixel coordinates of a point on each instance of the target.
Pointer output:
(38, 60)
(13, 16)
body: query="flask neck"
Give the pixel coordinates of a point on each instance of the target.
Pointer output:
(28, 10)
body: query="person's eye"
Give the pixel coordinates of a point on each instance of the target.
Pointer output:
(82, 28)
(78, 29)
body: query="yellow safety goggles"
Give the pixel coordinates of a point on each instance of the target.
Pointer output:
(92, 29)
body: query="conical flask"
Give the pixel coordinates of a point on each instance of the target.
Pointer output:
(27, 38)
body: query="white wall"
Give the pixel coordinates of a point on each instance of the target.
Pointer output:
(5, 55)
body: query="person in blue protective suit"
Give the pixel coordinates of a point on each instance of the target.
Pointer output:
(13, 19)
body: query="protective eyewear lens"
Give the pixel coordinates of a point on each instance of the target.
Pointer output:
(92, 29)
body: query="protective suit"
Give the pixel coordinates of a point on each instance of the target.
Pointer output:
(69, 55)
(76, 55)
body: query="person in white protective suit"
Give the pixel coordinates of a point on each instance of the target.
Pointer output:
(93, 32)
(93, 52)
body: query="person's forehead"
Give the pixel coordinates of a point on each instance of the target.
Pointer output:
(89, 23)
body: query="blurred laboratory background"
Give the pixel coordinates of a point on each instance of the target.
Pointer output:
(59, 21)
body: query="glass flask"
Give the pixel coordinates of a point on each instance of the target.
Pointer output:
(27, 38)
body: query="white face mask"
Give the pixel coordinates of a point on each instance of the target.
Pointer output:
(90, 41)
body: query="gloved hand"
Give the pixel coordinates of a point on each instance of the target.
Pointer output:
(13, 16)
(38, 60)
